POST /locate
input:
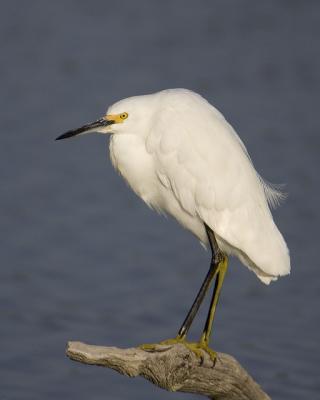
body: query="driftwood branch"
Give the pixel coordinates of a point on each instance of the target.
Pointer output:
(175, 368)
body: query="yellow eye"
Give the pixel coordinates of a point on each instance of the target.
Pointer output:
(124, 115)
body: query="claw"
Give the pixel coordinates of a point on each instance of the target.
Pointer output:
(199, 347)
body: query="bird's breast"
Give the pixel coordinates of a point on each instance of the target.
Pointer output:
(130, 158)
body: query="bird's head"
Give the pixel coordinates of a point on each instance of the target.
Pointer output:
(126, 116)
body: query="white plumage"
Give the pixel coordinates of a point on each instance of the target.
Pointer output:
(180, 155)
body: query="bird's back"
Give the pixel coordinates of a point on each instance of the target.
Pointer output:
(201, 172)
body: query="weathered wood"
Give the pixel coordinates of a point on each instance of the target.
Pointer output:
(175, 368)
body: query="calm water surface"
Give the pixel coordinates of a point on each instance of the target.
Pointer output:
(81, 257)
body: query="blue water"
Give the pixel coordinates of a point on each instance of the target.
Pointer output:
(82, 258)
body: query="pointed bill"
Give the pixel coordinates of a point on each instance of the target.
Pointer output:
(86, 128)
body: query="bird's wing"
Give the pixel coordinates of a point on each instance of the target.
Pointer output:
(206, 166)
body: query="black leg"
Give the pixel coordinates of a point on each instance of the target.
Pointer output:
(218, 267)
(215, 260)
(222, 269)
(197, 302)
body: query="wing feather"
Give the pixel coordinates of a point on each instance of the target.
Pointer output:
(207, 168)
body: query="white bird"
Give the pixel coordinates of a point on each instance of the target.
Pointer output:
(179, 154)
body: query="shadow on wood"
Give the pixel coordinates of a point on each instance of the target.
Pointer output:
(175, 368)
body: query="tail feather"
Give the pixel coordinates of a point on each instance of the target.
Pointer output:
(274, 192)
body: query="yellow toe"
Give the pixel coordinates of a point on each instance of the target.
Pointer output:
(196, 347)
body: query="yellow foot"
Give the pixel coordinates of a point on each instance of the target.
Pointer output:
(196, 347)
(153, 346)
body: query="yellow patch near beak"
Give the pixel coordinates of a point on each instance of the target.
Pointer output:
(117, 118)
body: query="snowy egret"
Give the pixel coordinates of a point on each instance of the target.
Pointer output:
(179, 154)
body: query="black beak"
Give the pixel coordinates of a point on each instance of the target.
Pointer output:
(85, 128)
